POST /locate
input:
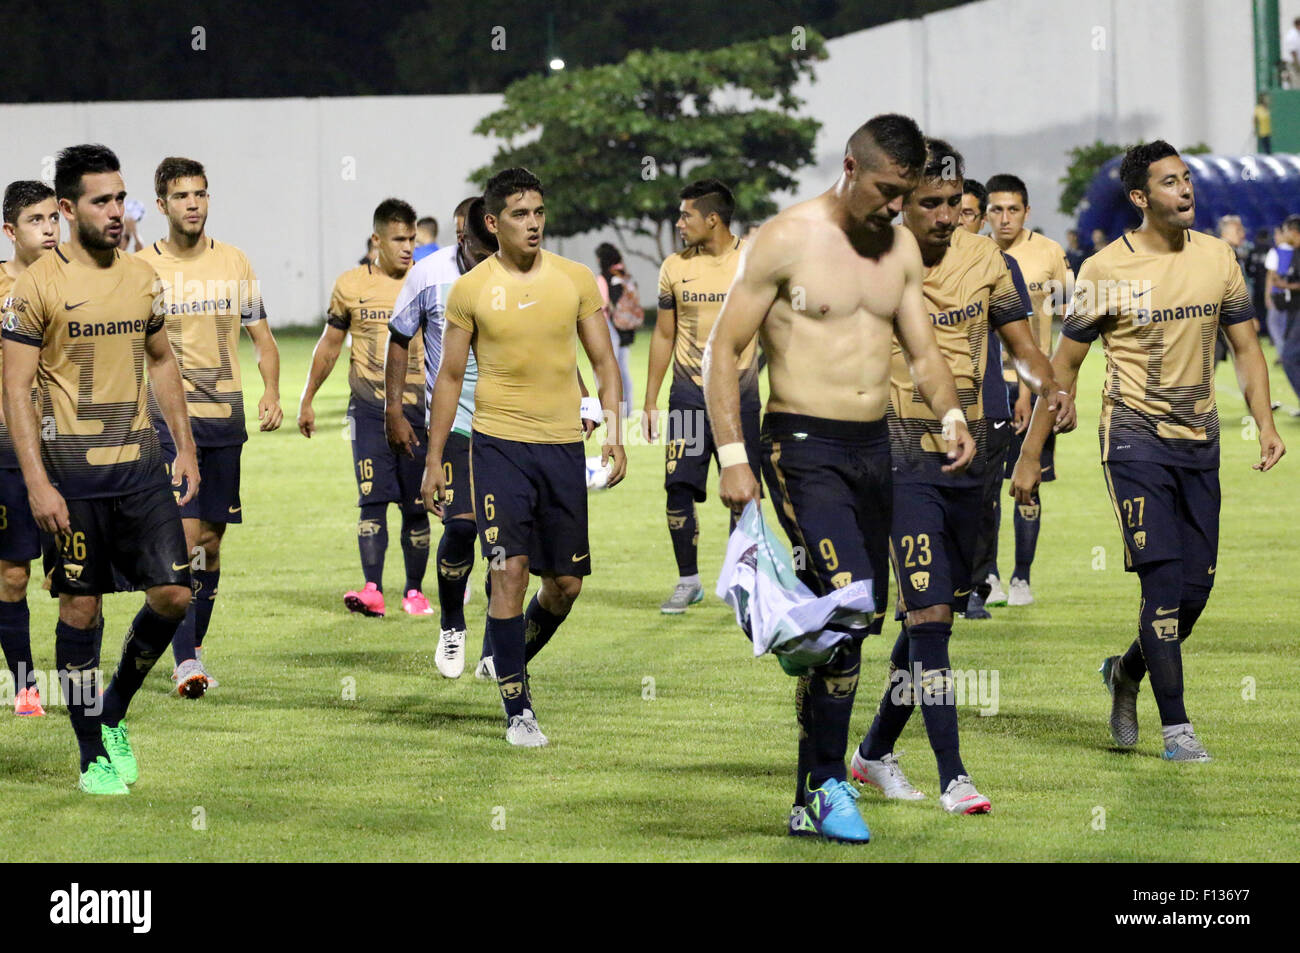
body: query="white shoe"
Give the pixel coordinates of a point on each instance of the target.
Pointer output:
(997, 595)
(886, 775)
(450, 657)
(486, 670)
(1019, 594)
(962, 798)
(523, 731)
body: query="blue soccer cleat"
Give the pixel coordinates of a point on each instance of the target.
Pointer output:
(831, 813)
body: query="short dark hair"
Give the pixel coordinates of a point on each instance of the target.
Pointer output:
(173, 168)
(895, 135)
(21, 194)
(942, 161)
(608, 256)
(506, 183)
(428, 222)
(393, 210)
(1137, 163)
(711, 196)
(1291, 222)
(462, 207)
(76, 161)
(476, 222)
(1006, 182)
(976, 188)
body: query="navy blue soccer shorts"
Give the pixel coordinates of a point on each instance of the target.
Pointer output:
(20, 537)
(383, 474)
(218, 498)
(690, 447)
(933, 543)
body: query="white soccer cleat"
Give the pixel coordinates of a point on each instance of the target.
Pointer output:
(523, 731)
(886, 775)
(486, 669)
(1019, 594)
(962, 798)
(450, 656)
(997, 595)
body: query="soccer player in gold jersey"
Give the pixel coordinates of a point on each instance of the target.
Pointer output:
(693, 286)
(1157, 297)
(31, 222)
(208, 290)
(362, 304)
(524, 311)
(83, 324)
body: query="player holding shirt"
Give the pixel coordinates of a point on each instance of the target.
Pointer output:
(207, 291)
(1157, 297)
(523, 310)
(31, 222)
(1050, 280)
(831, 276)
(419, 313)
(968, 290)
(362, 303)
(81, 324)
(693, 286)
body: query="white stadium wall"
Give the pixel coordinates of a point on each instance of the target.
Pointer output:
(1013, 84)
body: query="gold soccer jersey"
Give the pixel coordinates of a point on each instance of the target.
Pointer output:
(1158, 316)
(525, 338)
(968, 293)
(205, 299)
(362, 304)
(90, 325)
(694, 286)
(1042, 263)
(8, 460)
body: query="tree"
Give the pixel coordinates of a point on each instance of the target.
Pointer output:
(1086, 162)
(613, 145)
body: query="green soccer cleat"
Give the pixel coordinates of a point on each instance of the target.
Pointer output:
(102, 778)
(119, 750)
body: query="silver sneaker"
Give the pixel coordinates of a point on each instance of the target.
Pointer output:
(450, 656)
(1123, 702)
(523, 731)
(683, 595)
(997, 595)
(486, 670)
(189, 679)
(1019, 594)
(886, 775)
(962, 798)
(198, 657)
(1181, 744)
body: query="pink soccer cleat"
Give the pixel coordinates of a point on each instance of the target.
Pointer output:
(369, 601)
(415, 604)
(28, 702)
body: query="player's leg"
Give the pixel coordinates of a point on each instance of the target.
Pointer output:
(20, 543)
(205, 570)
(986, 547)
(455, 558)
(688, 447)
(374, 466)
(561, 553)
(416, 534)
(549, 607)
(1027, 519)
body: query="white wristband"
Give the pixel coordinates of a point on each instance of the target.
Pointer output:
(592, 410)
(950, 420)
(731, 454)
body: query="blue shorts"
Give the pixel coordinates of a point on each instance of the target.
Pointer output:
(933, 543)
(218, 498)
(1167, 512)
(458, 500)
(690, 447)
(530, 500)
(20, 538)
(383, 474)
(829, 482)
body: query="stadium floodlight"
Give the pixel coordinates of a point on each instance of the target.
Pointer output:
(557, 64)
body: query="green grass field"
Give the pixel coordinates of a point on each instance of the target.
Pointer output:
(668, 740)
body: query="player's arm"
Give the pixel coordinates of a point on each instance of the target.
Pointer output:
(925, 361)
(1252, 375)
(446, 395)
(593, 332)
(400, 433)
(169, 391)
(323, 359)
(1035, 370)
(48, 506)
(661, 353)
(1028, 470)
(269, 412)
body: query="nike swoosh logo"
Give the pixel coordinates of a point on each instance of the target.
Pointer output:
(176, 568)
(1138, 294)
(528, 305)
(962, 592)
(362, 300)
(235, 509)
(73, 307)
(686, 280)
(999, 424)
(1166, 611)
(1212, 568)
(578, 559)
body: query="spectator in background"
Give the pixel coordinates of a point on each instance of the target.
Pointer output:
(1257, 276)
(1288, 282)
(1263, 126)
(130, 227)
(614, 280)
(1291, 55)
(1099, 240)
(1276, 264)
(426, 237)
(1234, 233)
(1074, 255)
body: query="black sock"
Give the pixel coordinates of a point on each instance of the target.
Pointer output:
(1158, 634)
(146, 640)
(16, 642)
(185, 639)
(539, 626)
(507, 638)
(895, 705)
(823, 705)
(928, 655)
(455, 560)
(487, 594)
(1026, 521)
(415, 548)
(372, 539)
(189, 635)
(76, 656)
(683, 529)
(1189, 612)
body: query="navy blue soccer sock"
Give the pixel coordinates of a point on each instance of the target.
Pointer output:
(895, 705)
(145, 642)
(455, 560)
(1159, 645)
(823, 706)
(683, 529)
(928, 654)
(190, 633)
(372, 540)
(16, 642)
(507, 639)
(539, 625)
(1027, 519)
(76, 657)
(415, 549)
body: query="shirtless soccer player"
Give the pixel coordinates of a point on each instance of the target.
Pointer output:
(523, 311)
(832, 276)
(1157, 297)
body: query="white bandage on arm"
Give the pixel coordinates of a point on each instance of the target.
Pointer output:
(950, 420)
(731, 454)
(592, 410)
